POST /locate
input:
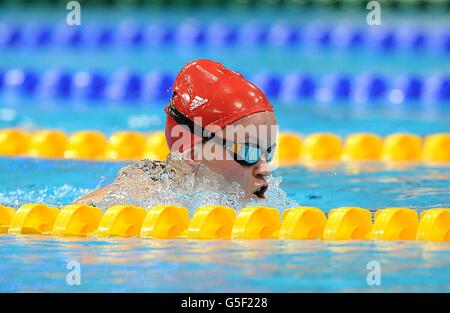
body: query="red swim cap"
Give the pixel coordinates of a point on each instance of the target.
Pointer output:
(220, 96)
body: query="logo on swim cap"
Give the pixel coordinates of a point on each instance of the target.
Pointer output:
(198, 101)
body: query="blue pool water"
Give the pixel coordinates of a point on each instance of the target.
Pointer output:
(37, 263)
(134, 265)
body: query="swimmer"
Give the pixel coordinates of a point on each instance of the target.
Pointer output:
(215, 118)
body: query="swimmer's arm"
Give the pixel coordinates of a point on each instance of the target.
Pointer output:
(96, 196)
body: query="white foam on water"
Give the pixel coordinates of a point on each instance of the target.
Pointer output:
(181, 184)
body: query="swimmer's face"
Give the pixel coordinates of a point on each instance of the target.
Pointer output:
(256, 129)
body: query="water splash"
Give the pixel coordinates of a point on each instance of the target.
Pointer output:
(276, 197)
(178, 183)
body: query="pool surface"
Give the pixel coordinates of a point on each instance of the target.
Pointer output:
(135, 265)
(37, 263)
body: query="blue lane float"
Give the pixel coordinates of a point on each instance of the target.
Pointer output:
(193, 33)
(156, 86)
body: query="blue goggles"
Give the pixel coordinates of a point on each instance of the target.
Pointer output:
(247, 154)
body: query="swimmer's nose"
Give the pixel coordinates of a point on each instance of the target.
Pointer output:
(262, 169)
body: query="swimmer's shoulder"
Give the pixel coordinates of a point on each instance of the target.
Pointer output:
(149, 168)
(147, 165)
(174, 167)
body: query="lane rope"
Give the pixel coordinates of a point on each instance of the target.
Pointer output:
(190, 33)
(222, 222)
(292, 149)
(156, 86)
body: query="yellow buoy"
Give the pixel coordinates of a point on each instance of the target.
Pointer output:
(362, 147)
(165, 222)
(288, 150)
(395, 224)
(88, 145)
(48, 144)
(211, 222)
(14, 142)
(256, 222)
(33, 218)
(77, 220)
(126, 145)
(348, 223)
(6, 214)
(302, 223)
(156, 147)
(121, 221)
(322, 147)
(434, 225)
(437, 148)
(402, 147)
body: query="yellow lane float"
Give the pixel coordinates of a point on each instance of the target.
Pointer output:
(90, 145)
(402, 147)
(6, 214)
(395, 224)
(221, 222)
(211, 222)
(165, 222)
(437, 148)
(291, 149)
(322, 147)
(121, 221)
(434, 225)
(48, 144)
(156, 147)
(256, 222)
(33, 218)
(362, 147)
(126, 145)
(14, 142)
(77, 220)
(348, 223)
(302, 223)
